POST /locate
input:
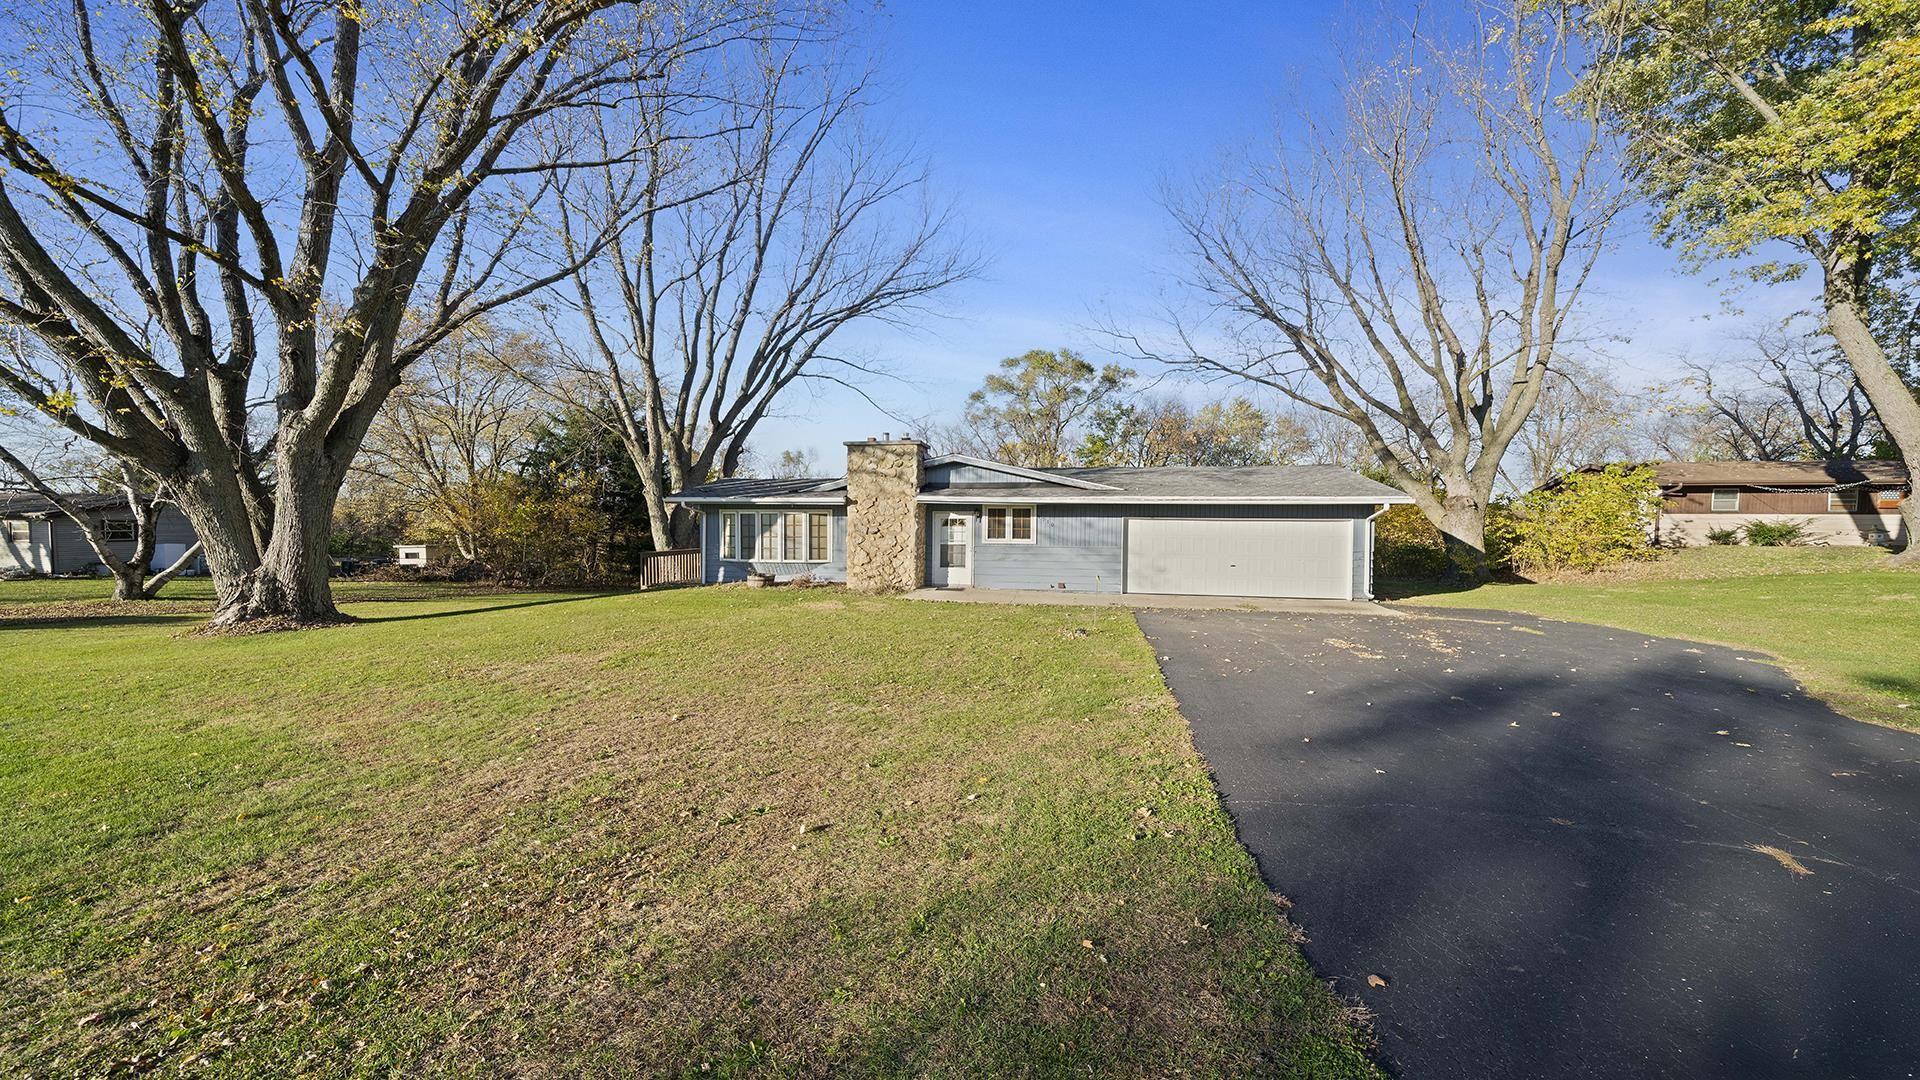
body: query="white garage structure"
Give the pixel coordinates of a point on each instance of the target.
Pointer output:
(1245, 557)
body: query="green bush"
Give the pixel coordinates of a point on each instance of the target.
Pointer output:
(1406, 545)
(1727, 537)
(1588, 521)
(1778, 533)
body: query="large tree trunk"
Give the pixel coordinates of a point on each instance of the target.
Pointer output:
(685, 528)
(221, 519)
(1892, 398)
(1463, 526)
(130, 582)
(288, 586)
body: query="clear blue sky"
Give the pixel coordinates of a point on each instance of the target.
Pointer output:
(1050, 126)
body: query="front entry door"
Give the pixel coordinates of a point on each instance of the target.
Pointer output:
(950, 563)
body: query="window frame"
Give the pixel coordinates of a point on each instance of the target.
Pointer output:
(734, 538)
(825, 554)
(793, 549)
(1009, 509)
(1849, 501)
(108, 526)
(19, 529)
(1713, 500)
(1888, 498)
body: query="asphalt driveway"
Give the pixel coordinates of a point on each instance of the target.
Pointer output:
(1569, 851)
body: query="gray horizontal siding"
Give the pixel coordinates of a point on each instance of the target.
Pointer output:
(72, 553)
(714, 569)
(1084, 547)
(28, 553)
(946, 476)
(173, 527)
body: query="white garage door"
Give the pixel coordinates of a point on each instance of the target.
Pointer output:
(1215, 557)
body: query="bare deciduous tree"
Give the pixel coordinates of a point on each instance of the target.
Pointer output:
(218, 254)
(1836, 420)
(751, 251)
(457, 424)
(1583, 418)
(1791, 398)
(1416, 270)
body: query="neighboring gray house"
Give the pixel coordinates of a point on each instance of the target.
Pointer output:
(902, 519)
(36, 537)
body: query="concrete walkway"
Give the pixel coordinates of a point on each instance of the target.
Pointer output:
(1061, 598)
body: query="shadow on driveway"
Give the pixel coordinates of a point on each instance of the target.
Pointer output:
(1570, 851)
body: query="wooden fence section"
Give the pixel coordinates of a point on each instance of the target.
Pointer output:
(675, 566)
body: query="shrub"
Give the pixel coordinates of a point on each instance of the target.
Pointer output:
(1588, 521)
(1725, 537)
(1406, 545)
(1778, 533)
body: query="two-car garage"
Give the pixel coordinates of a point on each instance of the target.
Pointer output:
(1292, 557)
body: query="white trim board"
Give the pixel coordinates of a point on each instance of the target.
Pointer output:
(943, 499)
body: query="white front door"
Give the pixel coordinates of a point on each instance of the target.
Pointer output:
(950, 558)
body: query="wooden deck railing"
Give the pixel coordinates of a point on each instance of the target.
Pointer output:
(675, 566)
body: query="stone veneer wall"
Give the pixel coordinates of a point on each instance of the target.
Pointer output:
(886, 544)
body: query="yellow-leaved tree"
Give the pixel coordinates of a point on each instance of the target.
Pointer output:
(1768, 127)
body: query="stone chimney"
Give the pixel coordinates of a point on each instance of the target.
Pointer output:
(886, 541)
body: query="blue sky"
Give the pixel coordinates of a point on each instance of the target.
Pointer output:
(1051, 127)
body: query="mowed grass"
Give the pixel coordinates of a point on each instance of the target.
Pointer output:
(94, 595)
(699, 832)
(1841, 620)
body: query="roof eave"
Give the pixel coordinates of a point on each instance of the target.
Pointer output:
(758, 500)
(1208, 500)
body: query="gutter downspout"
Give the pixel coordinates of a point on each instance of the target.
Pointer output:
(1369, 523)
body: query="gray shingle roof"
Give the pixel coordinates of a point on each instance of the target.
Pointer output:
(29, 504)
(1789, 473)
(1251, 482)
(749, 488)
(1180, 483)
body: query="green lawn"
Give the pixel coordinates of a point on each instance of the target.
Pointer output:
(36, 591)
(1841, 620)
(696, 832)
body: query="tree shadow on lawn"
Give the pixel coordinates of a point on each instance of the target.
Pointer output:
(1588, 894)
(103, 614)
(1412, 588)
(1897, 685)
(71, 621)
(481, 609)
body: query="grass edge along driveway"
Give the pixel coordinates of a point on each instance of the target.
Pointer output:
(1841, 622)
(701, 832)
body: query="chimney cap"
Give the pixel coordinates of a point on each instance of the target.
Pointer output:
(888, 440)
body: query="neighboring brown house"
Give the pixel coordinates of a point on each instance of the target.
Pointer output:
(1843, 502)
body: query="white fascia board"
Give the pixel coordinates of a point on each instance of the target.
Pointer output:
(1185, 500)
(764, 500)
